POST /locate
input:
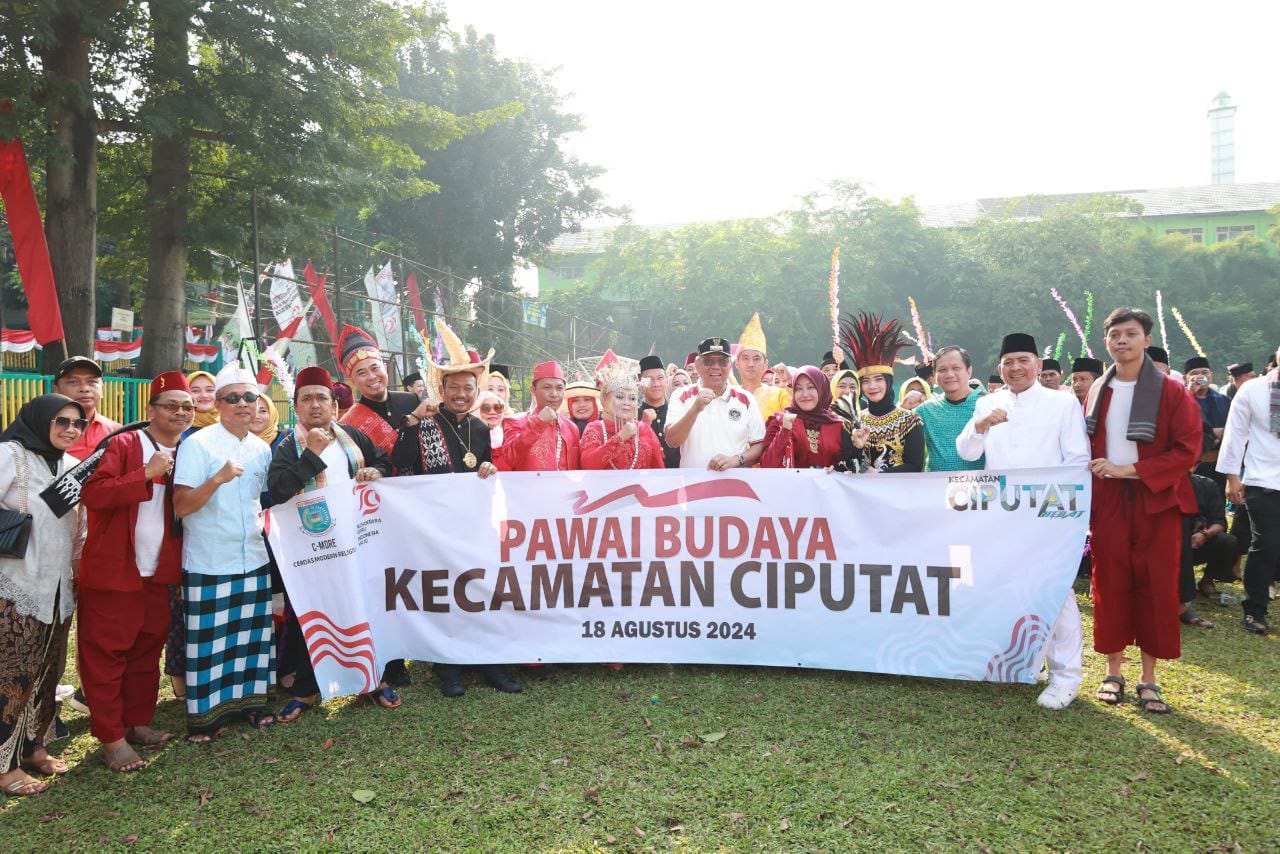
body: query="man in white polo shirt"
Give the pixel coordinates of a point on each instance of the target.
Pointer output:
(715, 425)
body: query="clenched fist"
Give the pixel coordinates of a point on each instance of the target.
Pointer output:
(650, 416)
(996, 416)
(705, 396)
(318, 439)
(628, 431)
(230, 470)
(159, 465)
(547, 415)
(788, 419)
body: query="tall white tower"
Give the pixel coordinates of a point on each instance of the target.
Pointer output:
(1222, 140)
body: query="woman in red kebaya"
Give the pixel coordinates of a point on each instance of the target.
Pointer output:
(807, 434)
(618, 440)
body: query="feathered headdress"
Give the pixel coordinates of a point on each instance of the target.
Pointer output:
(872, 342)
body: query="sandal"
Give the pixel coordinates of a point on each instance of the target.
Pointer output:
(260, 720)
(1191, 618)
(294, 709)
(1208, 589)
(1145, 703)
(1109, 696)
(385, 697)
(122, 759)
(22, 788)
(145, 736)
(205, 737)
(48, 766)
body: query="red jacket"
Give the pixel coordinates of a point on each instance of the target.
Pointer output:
(112, 495)
(1163, 464)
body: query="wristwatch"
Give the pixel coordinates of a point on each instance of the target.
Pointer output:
(742, 459)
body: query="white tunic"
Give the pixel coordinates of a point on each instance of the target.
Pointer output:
(1044, 429)
(1248, 440)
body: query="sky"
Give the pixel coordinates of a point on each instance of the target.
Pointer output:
(702, 109)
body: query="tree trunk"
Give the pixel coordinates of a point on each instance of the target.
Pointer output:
(164, 344)
(71, 202)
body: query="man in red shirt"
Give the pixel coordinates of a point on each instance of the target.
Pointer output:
(80, 378)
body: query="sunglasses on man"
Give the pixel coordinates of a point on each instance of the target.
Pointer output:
(237, 396)
(62, 422)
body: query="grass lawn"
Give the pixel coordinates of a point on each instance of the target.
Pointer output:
(630, 760)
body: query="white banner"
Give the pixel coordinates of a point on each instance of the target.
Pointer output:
(954, 575)
(286, 302)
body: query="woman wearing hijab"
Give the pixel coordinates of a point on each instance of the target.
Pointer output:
(844, 383)
(202, 384)
(896, 443)
(807, 434)
(37, 590)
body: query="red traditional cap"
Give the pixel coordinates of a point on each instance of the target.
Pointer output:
(473, 356)
(355, 345)
(313, 375)
(169, 381)
(691, 358)
(548, 371)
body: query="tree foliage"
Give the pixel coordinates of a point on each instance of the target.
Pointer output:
(973, 285)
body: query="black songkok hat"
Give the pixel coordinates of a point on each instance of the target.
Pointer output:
(924, 370)
(828, 358)
(1051, 365)
(1158, 354)
(1018, 342)
(1193, 363)
(1241, 369)
(995, 378)
(410, 379)
(648, 363)
(505, 370)
(1084, 364)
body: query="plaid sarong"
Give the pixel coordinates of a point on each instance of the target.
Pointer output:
(231, 658)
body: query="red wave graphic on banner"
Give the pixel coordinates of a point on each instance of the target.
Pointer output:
(1007, 666)
(349, 646)
(719, 488)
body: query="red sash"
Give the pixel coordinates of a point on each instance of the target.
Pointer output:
(372, 425)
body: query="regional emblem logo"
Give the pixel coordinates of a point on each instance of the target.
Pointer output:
(315, 516)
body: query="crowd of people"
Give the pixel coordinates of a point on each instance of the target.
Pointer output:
(152, 533)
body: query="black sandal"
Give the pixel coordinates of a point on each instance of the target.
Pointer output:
(1108, 696)
(1145, 703)
(260, 720)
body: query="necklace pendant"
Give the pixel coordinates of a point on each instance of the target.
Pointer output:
(469, 460)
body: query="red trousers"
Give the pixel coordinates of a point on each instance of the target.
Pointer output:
(1136, 560)
(119, 641)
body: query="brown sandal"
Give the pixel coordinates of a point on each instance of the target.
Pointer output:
(48, 766)
(122, 759)
(145, 736)
(22, 788)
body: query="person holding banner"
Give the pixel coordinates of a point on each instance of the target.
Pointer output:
(1145, 431)
(380, 415)
(618, 440)
(715, 425)
(448, 439)
(319, 452)
(124, 593)
(226, 592)
(896, 443)
(944, 415)
(542, 439)
(807, 434)
(1025, 425)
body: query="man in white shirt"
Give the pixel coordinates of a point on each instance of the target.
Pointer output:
(715, 425)
(1025, 425)
(1252, 438)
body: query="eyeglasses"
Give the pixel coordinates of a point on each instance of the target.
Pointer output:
(492, 407)
(237, 396)
(718, 361)
(62, 422)
(175, 407)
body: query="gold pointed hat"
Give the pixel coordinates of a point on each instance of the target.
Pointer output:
(752, 337)
(459, 360)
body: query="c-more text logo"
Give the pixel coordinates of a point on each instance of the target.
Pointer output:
(996, 492)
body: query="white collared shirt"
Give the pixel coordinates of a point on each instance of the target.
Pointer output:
(1044, 429)
(1248, 440)
(728, 425)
